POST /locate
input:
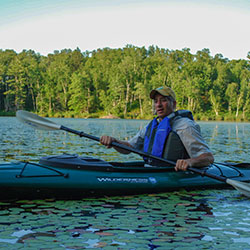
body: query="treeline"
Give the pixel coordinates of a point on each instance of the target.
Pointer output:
(118, 82)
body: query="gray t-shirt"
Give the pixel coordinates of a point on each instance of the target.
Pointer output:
(188, 131)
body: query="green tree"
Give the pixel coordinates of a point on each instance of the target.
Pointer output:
(17, 90)
(80, 97)
(5, 96)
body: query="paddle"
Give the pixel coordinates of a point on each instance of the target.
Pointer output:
(38, 122)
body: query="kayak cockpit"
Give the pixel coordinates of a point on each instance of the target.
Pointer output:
(73, 161)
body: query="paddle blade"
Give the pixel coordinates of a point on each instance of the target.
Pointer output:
(242, 187)
(36, 121)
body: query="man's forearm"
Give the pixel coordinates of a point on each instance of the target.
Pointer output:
(202, 160)
(120, 150)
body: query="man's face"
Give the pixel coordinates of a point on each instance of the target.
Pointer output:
(163, 106)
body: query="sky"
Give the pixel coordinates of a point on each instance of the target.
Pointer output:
(44, 26)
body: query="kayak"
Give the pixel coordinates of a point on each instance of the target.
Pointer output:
(70, 176)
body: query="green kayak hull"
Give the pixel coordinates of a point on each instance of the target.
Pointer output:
(73, 176)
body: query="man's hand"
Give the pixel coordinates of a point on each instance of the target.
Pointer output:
(107, 140)
(183, 165)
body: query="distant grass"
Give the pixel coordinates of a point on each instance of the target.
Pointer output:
(10, 113)
(197, 116)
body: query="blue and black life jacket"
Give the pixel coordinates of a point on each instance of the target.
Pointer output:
(161, 141)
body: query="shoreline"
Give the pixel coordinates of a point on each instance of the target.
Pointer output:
(113, 117)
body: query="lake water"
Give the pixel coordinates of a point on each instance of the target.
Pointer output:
(200, 219)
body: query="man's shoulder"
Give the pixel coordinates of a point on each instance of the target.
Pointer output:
(183, 123)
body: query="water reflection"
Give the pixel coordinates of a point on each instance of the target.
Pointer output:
(198, 219)
(228, 141)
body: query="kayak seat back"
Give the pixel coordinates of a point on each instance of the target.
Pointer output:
(174, 148)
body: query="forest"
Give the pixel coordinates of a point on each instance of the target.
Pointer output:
(117, 82)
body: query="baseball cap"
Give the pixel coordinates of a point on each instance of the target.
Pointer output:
(164, 91)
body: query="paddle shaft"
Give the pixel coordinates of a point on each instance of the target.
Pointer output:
(204, 173)
(141, 153)
(118, 145)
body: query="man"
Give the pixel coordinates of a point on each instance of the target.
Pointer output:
(171, 130)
